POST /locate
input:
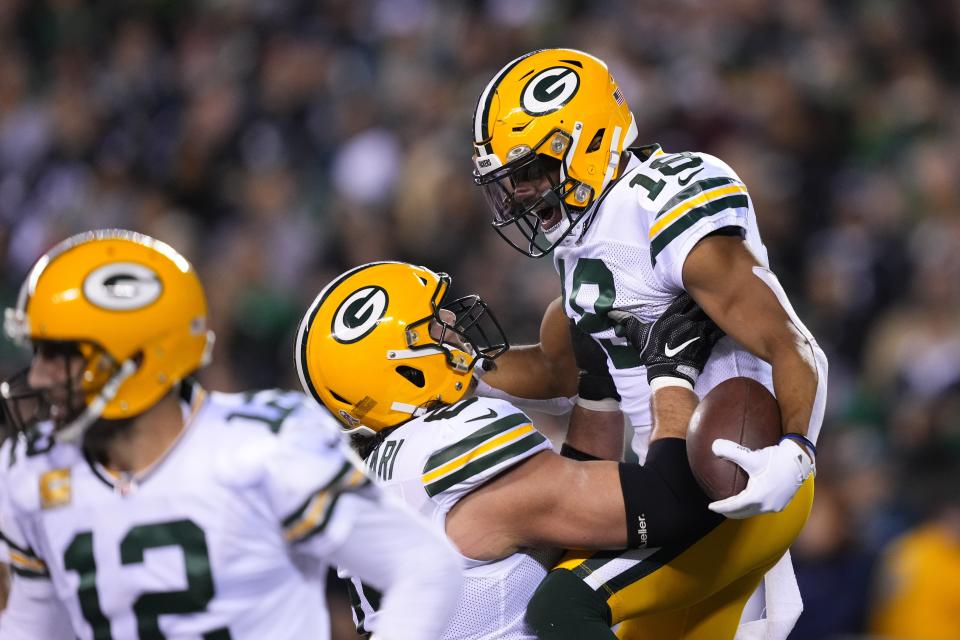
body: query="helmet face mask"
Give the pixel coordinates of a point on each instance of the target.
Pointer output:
(381, 344)
(474, 330)
(82, 369)
(526, 223)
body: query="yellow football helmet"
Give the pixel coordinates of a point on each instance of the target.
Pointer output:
(548, 110)
(129, 305)
(380, 344)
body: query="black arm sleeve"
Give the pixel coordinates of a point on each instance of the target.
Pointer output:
(595, 381)
(664, 503)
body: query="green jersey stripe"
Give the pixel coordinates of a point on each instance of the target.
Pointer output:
(457, 449)
(695, 189)
(298, 513)
(28, 573)
(24, 550)
(686, 221)
(486, 463)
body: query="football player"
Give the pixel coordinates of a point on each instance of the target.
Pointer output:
(138, 505)
(385, 350)
(629, 228)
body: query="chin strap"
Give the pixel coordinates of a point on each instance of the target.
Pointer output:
(74, 431)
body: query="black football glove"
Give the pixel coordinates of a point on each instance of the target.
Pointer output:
(677, 344)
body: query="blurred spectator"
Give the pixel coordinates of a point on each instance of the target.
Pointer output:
(917, 596)
(834, 574)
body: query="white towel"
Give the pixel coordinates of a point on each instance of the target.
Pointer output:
(783, 605)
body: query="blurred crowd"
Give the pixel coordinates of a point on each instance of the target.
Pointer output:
(278, 142)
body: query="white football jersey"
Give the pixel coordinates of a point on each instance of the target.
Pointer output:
(225, 537)
(433, 461)
(629, 254)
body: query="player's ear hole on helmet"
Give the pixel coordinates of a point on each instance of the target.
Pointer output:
(597, 139)
(338, 397)
(415, 376)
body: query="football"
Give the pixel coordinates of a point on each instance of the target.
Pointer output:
(738, 409)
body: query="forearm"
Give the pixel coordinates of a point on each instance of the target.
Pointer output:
(799, 371)
(671, 408)
(597, 433)
(558, 406)
(526, 372)
(795, 382)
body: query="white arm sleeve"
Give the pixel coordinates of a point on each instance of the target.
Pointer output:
(395, 551)
(33, 611)
(551, 406)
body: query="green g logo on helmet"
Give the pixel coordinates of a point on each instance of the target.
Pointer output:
(549, 90)
(359, 314)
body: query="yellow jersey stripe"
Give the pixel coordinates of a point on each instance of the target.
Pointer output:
(26, 562)
(310, 519)
(316, 511)
(488, 446)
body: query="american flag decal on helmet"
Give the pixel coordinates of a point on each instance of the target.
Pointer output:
(618, 96)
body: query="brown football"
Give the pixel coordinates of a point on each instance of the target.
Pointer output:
(738, 409)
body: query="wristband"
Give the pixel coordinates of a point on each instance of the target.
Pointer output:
(607, 404)
(803, 440)
(669, 381)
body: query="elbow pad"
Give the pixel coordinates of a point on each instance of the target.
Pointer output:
(664, 504)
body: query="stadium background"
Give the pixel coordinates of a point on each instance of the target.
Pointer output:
(278, 142)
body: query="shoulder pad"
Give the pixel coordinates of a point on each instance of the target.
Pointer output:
(482, 437)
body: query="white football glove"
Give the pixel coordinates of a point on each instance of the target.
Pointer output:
(776, 473)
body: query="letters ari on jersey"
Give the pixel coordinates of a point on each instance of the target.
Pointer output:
(433, 461)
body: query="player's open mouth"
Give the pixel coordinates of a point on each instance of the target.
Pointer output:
(549, 217)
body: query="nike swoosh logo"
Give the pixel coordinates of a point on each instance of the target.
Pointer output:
(672, 351)
(684, 183)
(490, 414)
